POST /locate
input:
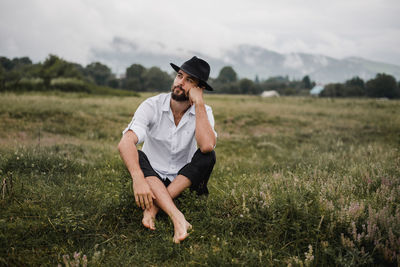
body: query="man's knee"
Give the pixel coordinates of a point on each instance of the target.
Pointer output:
(204, 160)
(198, 171)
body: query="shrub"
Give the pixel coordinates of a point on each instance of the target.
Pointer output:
(69, 85)
(25, 84)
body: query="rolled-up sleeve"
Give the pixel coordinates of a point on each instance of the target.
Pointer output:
(141, 120)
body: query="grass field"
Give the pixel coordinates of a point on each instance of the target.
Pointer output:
(298, 182)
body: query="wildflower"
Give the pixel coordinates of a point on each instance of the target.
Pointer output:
(324, 244)
(356, 209)
(84, 261)
(309, 256)
(76, 257)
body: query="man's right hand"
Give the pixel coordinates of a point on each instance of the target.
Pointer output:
(143, 194)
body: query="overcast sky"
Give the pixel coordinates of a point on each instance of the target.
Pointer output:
(73, 29)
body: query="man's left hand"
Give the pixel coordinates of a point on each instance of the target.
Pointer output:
(196, 95)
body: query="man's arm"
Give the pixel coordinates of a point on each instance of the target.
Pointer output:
(205, 136)
(129, 154)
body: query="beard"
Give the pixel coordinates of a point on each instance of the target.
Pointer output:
(178, 97)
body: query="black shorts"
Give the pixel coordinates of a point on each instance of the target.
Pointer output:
(198, 170)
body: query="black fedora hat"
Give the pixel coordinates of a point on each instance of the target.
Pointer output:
(197, 68)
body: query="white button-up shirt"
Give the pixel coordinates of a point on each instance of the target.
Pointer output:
(167, 146)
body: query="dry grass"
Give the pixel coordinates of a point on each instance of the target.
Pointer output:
(298, 181)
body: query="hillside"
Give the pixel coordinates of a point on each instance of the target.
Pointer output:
(248, 61)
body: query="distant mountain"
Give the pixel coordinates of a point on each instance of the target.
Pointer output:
(248, 61)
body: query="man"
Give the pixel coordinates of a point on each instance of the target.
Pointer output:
(178, 151)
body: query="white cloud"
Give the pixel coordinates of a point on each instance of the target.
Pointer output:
(293, 61)
(72, 29)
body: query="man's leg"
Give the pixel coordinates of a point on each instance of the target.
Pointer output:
(195, 174)
(149, 215)
(175, 188)
(164, 201)
(199, 170)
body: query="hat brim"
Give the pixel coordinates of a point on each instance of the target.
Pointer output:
(201, 82)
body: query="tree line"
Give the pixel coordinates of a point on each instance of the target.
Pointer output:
(382, 86)
(55, 73)
(228, 82)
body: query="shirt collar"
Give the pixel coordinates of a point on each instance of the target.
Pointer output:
(167, 106)
(192, 110)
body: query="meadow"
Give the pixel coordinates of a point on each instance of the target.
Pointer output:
(299, 181)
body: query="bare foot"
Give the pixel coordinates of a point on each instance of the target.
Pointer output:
(149, 219)
(181, 230)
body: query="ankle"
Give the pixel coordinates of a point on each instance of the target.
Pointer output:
(152, 212)
(178, 217)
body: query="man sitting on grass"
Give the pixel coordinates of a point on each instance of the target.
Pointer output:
(177, 129)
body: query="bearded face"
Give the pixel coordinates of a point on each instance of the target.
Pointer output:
(178, 94)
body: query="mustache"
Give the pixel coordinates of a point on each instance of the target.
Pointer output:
(178, 86)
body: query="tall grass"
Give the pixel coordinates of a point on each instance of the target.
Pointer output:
(298, 182)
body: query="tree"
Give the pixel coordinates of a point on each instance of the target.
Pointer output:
(382, 86)
(277, 83)
(17, 62)
(227, 75)
(99, 73)
(307, 82)
(134, 78)
(114, 83)
(16, 70)
(11, 79)
(355, 81)
(246, 86)
(156, 80)
(6, 63)
(2, 78)
(54, 67)
(355, 87)
(228, 88)
(333, 90)
(79, 68)
(135, 71)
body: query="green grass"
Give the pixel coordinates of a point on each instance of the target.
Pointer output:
(298, 181)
